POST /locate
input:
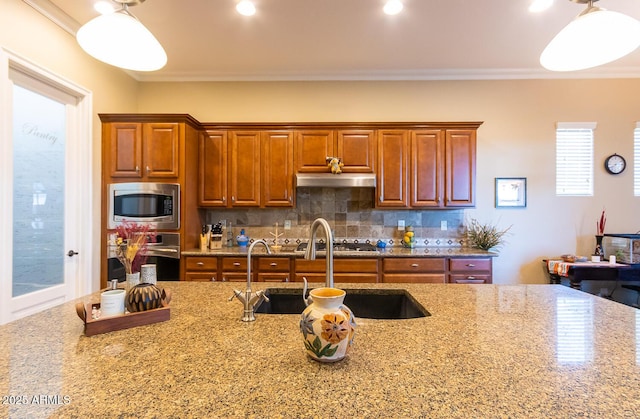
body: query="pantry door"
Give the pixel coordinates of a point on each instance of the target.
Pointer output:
(45, 147)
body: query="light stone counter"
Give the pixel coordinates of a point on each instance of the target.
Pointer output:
(534, 351)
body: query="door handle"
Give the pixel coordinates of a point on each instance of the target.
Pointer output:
(71, 253)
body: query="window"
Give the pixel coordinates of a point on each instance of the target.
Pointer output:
(636, 160)
(574, 158)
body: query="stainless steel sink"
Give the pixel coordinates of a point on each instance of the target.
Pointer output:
(390, 304)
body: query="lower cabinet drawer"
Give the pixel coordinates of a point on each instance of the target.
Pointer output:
(414, 265)
(415, 278)
(470, 279)
(234, 264)
(266, 264)
(273, 277)
(196, 263)
(201, 276)
(469, 264)
(338, 277)
(235, 277)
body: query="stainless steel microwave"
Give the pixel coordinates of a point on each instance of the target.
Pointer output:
(155, 204)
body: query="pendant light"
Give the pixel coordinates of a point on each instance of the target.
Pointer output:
(120, 39)
(596, 37)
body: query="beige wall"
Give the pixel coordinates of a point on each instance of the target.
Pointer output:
(516, 139)
(33, 37)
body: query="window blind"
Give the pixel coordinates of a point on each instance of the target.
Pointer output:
(636, 160)
(574, 159)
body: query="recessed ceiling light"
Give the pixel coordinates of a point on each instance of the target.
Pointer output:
(393, 7)
(246, 8)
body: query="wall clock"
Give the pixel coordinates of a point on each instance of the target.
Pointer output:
(615, 164)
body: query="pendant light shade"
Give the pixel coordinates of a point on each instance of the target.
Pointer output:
(120, 39)
(594, 38)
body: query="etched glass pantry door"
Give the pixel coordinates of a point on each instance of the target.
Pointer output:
(46, 194)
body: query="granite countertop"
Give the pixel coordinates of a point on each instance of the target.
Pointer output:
(290, 250)
(518, 351)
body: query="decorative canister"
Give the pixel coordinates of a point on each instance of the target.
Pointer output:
(143, 297)
(327, 325)
(133, 279)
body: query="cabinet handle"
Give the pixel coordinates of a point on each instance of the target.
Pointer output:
(236, 263)
(148, 170)
(471, 277)
(233, 199)
(200, 263)
(414, 265)
(274, 264)
(291, 199)
(137, 169)
(471, 265)
(213, 279)
(224, 279)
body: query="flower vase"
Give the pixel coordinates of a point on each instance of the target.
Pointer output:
(598, 251)
(133, 279)
(327, 325)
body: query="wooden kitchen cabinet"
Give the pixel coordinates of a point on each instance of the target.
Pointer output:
(202, 269)
(434, 168)
(233, 269)
(356, 148)
(470, 270)
(143, 151)
(393, 168)
(278, 189)
(244, 169)
(460, 167)
(415, 270)
(212, 169)
(427, 168)
(273, 269)
(363, 270)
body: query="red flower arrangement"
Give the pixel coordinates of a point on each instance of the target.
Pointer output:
(131, 244)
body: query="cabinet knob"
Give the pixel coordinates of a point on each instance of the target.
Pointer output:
(233, 199)
(471, 265)
(471, 277)
(137, 169)
(148, 170)
(224, 199)
(213, 279)
(200, 263)
(414, 265)
(273, 264)
(236, 263)
(291, 199)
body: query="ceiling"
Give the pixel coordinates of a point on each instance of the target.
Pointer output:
(355, 40)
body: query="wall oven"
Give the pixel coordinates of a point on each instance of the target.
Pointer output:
(155, 204)
(164, 253)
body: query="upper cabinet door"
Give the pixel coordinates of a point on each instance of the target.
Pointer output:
(357, 149)
(427, 169)
(460, 168)
(244, 169)
(212, 169)
(123, 149)
(277, 169)
(312, 149)
(161, 150)
(393, 168)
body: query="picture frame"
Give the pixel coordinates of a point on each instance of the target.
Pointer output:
(511, 192)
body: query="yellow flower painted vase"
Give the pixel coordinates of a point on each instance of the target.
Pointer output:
(327, 325)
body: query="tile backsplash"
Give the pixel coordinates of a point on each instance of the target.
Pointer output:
(351, 213)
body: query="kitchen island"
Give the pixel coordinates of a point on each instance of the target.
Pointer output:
(520, 351)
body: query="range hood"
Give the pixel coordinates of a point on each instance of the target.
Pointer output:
(329, 180)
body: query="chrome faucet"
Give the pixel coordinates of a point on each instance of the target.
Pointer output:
(250, 300)
(311, 247)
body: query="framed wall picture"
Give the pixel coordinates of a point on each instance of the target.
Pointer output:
(511, 192)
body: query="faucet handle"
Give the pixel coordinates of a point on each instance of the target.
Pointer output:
(261, 294)
(236, 294)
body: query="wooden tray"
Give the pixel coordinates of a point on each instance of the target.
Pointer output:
(125, 321)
